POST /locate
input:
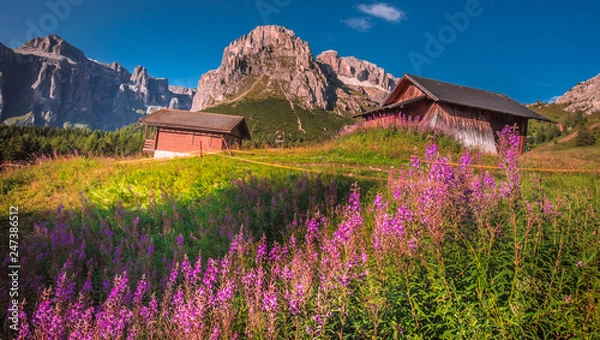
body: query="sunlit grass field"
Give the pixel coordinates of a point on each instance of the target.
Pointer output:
(375, 234)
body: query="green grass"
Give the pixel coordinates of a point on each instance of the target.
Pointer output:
(363, 157)
(105, 182)
(267, 116)
(462, 286)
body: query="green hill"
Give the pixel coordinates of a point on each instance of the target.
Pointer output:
(271, 116)
(580, 136)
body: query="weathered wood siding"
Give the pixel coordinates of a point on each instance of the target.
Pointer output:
(411, 92)
(474, 128)
(187, 141)
(471, 127)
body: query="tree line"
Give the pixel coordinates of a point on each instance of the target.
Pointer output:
(27, 143)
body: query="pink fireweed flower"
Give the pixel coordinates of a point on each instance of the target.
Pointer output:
(431, 152)
(210, 276)
(148, 313)
(441, 171)
(270, 302)
(277, 253)
(508, 150)
(261, 252)
(549, 209)
(415, 162)
(65, 289)
(466, 161)
(24, 332)
(215, 334)
(378, 202)
(225, 294)
(180, 241)
(312, 229)
(140, 290)
(296, 299)
(352, 218)
(404, 214)
(47, 320)
(237, 244)
(187, 270)
(173, 276)
(150, 250)
(87, 287)
(114, 318)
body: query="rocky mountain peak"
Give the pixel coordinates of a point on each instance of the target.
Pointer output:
(361, 75)
(361, 70)
(55, 82)
(585, 97)
(140, 75)
(274, 52)
(124, 75)
(53, 45)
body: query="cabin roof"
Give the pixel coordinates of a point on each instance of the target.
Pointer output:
(440, 91)
(197, 121)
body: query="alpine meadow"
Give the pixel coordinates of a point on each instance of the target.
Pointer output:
(263, 191)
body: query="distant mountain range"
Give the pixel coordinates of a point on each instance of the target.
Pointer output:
(49, 82)
(269, 75)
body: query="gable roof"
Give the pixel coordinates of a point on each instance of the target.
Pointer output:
(440, 91)
(198, 121)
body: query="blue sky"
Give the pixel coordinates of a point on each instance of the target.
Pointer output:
(529, 50)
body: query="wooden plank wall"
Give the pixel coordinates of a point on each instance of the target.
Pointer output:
(187, 141)
(470, 126)
(411, 92)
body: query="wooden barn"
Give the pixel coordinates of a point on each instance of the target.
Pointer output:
(471, 115)
(183, 133)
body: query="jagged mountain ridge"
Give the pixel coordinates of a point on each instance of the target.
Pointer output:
(53, 83)
(585, 97)
(367, 78)
(328, 82)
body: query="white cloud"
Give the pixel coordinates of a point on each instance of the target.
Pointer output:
(359, 24)
(383, 11)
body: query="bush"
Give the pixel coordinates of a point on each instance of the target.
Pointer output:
(585, 138)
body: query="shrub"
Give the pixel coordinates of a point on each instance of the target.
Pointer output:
(585, 138)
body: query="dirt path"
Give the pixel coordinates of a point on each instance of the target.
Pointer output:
(243, 94)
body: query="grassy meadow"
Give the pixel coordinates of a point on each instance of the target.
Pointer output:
(378, 234)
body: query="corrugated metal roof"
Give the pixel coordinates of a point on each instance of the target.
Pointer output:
(199, 121)
(467, 96)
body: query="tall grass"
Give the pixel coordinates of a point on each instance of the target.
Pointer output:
(440, 252)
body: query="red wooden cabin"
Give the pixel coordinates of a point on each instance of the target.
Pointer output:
(471, 115)
(184, 133)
